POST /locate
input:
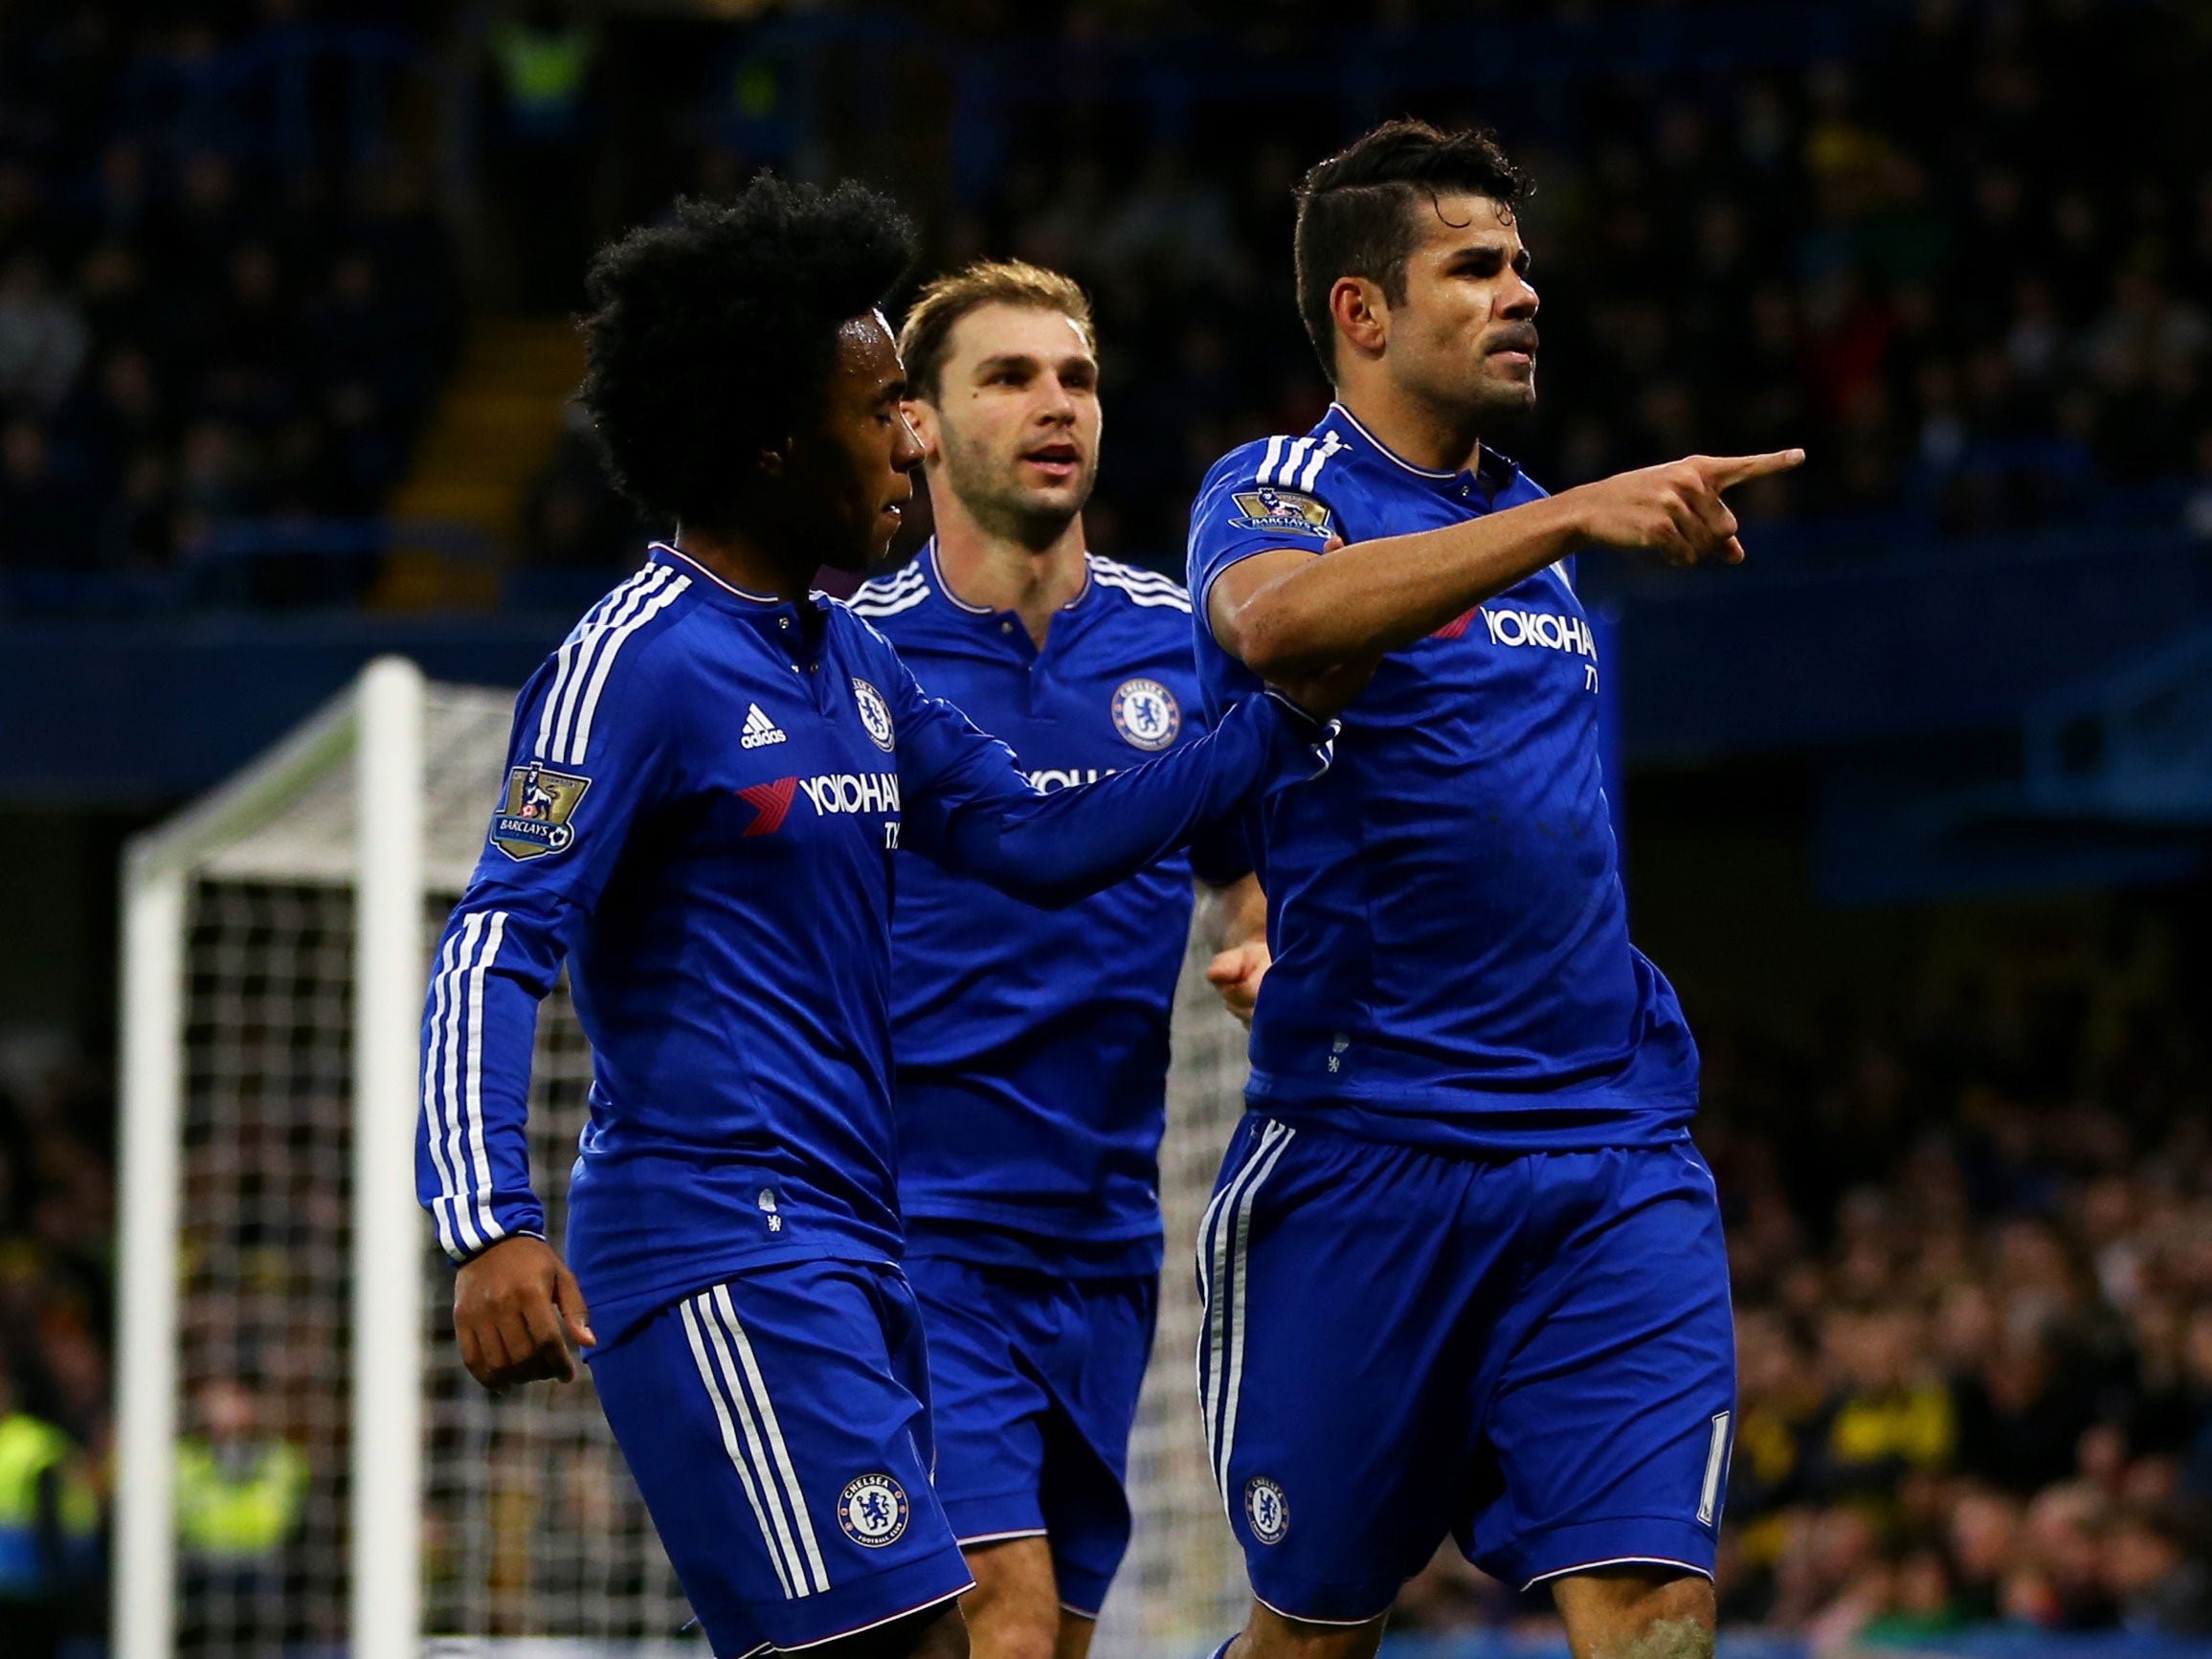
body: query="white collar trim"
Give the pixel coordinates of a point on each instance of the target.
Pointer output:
(676, 552)
(1384, 450)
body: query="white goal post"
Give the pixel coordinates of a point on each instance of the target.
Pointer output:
(275, 940)
(377, 727)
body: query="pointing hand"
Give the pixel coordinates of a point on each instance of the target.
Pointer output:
(1674, 510)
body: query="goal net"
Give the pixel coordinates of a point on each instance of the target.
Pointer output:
(245, 1362)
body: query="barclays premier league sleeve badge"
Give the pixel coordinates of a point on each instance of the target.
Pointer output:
(1285, 512)
(533, 823)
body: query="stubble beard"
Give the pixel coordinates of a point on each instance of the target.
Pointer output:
(995, 499)
(1496, 403)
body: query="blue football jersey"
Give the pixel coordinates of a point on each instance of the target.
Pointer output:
(704, 794)
(1452, 963)
(1031, 1047)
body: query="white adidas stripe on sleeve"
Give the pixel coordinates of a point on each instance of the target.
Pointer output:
(580, 743)
(581, 638)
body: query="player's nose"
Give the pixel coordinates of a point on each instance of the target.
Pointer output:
(905, 445)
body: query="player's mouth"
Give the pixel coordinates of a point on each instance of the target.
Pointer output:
(1059, 463)
(893, 512)
(1517, 346)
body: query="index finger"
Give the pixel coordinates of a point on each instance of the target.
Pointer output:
(1729, 471)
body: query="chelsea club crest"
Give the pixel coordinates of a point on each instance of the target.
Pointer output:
(1146, 713)
(532, 822)
(873, 1510)
(1266, 1509)
(875, 714)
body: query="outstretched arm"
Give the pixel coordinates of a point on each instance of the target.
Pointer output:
(1289, 612)
(967, 807)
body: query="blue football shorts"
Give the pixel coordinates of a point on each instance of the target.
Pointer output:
(1533, 1355)
(779, 1427)
(1034, 1380)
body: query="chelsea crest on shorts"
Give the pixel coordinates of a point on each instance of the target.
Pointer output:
(873, 1510)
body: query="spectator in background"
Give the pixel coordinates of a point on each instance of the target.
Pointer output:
(43, 337)
(2157, 1573)
(1983, 1539)
(542, 59)
(48, 1530)
(1893, 1417)
(238, 1492)
(2021, 1416)
(46, 519)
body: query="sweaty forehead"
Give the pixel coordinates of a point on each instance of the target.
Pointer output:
(867, 356)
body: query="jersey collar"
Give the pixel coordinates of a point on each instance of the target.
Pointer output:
(729, 596)
(929, 559)
(1492, 471)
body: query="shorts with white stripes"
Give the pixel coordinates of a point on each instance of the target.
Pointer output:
(779, 1427)
(1532, 1355)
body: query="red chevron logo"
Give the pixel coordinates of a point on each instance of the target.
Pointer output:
(1457, 626)
(771, 800)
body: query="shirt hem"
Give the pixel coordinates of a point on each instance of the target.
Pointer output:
(990, 1241)
(618, 1312)
(1483, 1123)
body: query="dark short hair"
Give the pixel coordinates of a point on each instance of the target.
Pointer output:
(710, 337)
(928, 333)
(1356, 210)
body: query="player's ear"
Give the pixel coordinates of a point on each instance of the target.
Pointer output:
(1361, 313)
(770, 464)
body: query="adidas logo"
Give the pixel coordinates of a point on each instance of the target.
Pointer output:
(759, 730)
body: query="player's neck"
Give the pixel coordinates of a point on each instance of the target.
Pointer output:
(746, 563)
(996, 573)
(1418, 432)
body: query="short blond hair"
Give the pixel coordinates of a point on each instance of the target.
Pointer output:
(928, 333)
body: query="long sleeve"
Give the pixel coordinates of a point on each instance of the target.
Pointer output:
(590, 754)
(967, 807)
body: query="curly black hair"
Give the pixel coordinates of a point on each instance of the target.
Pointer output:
(711, 337)
(1355, 210)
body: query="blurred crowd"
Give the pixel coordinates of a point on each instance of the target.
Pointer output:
(1972, 1251)
(1989, 1395)
(57, 1263)
(1970, 278)
(222, 296)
